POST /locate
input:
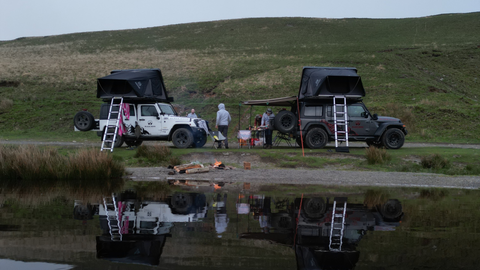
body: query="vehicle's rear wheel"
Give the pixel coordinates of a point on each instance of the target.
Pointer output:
(314, 207)
(392, 209)
(84, 121)
(182, 138)
(118, 141)
(316, 138)
(393, 138)
(285, 121)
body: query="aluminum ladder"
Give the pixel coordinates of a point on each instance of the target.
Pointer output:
(113, 122)
(340, 124)
(337, 225)
(113, 219)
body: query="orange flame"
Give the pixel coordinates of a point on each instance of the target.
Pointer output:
(217, 163)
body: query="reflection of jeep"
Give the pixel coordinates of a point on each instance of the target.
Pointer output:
(146, 111)
(320, 121)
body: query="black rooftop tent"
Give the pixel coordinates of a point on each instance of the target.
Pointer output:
(330, 81)
(133, 84)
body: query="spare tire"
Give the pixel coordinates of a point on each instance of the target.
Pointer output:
(392, 209)
(84, 121)
(285, 121)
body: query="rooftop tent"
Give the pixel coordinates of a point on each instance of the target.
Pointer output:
(328, 81)
(136, 84)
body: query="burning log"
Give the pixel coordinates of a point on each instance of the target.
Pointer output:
(197, 170)
(185, 167)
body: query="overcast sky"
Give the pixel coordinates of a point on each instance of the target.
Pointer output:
(26, 18)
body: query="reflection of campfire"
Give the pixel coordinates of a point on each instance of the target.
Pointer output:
(218, 165)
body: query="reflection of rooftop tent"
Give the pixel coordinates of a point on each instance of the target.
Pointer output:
(134, 85)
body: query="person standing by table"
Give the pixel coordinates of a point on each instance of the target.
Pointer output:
(266, 118)
(223, 120)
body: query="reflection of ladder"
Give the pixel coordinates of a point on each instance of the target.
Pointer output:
(340, 123)
(113, 219)
(338, 224)
(113, 122)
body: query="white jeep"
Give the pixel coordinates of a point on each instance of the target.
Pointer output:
(149, 114)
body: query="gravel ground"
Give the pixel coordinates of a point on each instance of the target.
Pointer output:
(262, 172)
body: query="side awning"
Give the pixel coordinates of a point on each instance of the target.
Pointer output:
(283, 101)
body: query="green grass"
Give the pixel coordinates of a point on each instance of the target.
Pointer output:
(427, 67)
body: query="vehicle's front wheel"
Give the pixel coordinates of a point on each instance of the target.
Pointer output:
(84, 121)
(316, 138)
(393, 138)
(181, 202)
(182, 138)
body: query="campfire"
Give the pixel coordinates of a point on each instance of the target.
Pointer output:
(218, 165)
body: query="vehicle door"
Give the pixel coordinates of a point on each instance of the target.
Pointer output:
(359, 121)
(149, 120)
(130, 119)
(166, 114)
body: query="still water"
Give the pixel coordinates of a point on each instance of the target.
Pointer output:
(205, 225)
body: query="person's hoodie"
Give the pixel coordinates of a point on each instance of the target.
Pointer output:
(223, 117)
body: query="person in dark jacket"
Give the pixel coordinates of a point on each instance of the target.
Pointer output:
(223, 120)
(266, 118)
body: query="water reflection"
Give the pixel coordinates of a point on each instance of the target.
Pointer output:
(243, 227)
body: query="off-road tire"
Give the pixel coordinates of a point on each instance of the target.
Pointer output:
(285, 121)
(314, 207)
(118, 141)
(392, 209)
(181, 202)
(316, 138)
(182, 138)
(393, 138)
(84, 121)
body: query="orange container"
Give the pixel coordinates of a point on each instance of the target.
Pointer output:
(246, 165)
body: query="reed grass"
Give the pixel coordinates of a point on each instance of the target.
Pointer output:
(155, 153)
(376, 155)
(27, 167)
(434, 161)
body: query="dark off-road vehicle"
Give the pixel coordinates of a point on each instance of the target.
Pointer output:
(328, 103)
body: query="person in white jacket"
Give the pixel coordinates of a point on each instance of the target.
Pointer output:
(223, 120)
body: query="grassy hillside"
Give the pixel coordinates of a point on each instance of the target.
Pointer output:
(422, 70)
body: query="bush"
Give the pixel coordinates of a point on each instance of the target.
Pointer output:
(30, 166)
(434, 161)
(376, 155)
(155, 153)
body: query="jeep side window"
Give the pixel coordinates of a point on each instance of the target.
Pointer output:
(132, 110)
(313, 111)
(166, 109)
(356, 111)
(329, 111)
(149, 110)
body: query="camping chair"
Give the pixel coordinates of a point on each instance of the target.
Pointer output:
(217, 138)
(282, 137)
(244, 137)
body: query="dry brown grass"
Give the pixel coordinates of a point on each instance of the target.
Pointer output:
(5, 104)
(62, 63)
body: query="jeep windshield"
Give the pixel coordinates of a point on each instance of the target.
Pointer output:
(166, 109)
